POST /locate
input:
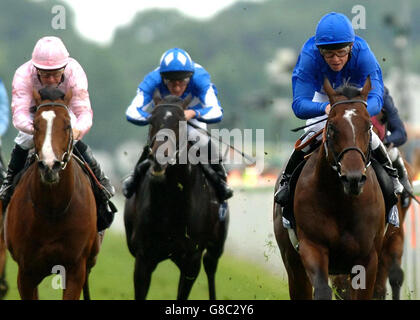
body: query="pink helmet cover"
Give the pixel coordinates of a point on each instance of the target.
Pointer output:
(49, 54)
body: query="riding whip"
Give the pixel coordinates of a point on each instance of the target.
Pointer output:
(309, 125)
(243, 154)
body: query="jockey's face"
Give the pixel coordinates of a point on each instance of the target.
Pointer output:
(50, 77)
(336, 59)
(177, 87)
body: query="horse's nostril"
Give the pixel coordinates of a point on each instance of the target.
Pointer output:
(41, 165)
(56, 165)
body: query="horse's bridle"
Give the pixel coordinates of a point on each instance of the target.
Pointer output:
(67, 154)
(337, 158)
(152, 139)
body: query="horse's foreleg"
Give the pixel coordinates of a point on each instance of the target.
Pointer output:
(142, 276)
(27, 286)
(315, 260)
(210, 261)
(190, 268)
(75, 280)
(396, 278)
(384, 264)
(362, 289)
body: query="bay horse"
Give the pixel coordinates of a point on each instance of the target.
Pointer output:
(389, 264)
(51, 218)
(338, 205)
(174, 212)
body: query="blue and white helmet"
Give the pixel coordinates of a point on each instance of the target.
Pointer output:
(176, 64)
(335, 30)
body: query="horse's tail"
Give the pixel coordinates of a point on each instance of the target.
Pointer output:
(86, 294)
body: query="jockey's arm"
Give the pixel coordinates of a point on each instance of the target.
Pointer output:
(375, 100)
(21, 102)
(80, 103)
(398, 134)
(303, 93)
(136, 112)
(4, 109)
(209, 109)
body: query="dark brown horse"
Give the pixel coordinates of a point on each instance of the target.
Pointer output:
(51, 218)
(174, 212)
(338, 206)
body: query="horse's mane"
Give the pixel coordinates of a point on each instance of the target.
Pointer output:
(348, 91)
(51, 93)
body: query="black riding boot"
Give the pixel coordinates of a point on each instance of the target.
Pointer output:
(403, 175)
(16, 164)
(105, 208)
(216, 173)
(130, 183)
(381, 155)
(108, 190)
(282, 194)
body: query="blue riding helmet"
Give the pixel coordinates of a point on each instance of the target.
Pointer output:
(176, 64)
(334, 28)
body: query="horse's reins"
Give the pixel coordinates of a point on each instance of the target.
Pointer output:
(67, 154)
(243, 154)
(337, 159)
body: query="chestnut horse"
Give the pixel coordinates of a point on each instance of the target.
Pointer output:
(389, 265)
(338, 205)
(51, 218)
(174, 212)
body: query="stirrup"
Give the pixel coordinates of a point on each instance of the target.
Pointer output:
(398, 187)
(282, 194)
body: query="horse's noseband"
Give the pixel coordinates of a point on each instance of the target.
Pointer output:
(69, 151)
(337, 158)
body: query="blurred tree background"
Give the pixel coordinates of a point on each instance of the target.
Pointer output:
(239, 47)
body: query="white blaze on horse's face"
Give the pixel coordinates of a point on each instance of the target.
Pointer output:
(47, 152)
(348, 114)
(168, 114)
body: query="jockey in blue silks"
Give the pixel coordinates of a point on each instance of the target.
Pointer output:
(179, 75)
(4, 112)
(337, 53)
(4, 109)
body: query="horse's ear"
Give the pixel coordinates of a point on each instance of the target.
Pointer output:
(366, 88)
(329, 89)
(68, 96)
(157, 98)
(186, 101)
(37, 97)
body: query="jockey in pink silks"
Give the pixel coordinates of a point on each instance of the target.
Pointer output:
(50, 65)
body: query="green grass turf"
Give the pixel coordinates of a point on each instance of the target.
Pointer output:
(112, 278)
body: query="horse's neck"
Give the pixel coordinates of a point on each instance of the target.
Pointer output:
(53, 198)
